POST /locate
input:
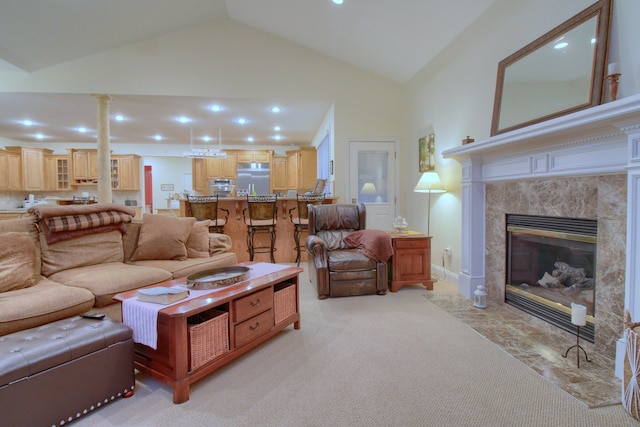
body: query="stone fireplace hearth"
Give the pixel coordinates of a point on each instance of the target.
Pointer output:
(583, 165)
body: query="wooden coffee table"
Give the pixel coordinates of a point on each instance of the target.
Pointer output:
(258, 308)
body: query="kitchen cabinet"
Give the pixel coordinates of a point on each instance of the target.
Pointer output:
(84, 166)
(10, 175)
(302, 169)
(57, 172)
(199, 174)
(223, 168)
(30, 164)
(125, 172)
(279, 174)
(255, 156)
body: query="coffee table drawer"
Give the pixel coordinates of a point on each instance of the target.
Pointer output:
(247, 307)
(251, 329)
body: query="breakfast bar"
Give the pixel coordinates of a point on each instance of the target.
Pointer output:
(237, 229)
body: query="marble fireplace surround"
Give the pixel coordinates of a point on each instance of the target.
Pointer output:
(585, 164)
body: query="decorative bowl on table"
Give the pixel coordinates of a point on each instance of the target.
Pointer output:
(217, 278)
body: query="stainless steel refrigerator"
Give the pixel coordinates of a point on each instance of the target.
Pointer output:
(254, 177)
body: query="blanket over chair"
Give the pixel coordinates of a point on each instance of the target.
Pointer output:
(66, 222)
(375, 244)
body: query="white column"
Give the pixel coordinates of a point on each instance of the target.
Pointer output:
(632, 275)
(104, 150)
(472, 272)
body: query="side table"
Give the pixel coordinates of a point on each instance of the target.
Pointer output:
(411, 260)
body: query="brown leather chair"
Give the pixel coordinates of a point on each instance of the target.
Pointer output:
(335, 269)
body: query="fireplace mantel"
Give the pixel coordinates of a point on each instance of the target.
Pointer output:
(598, 141)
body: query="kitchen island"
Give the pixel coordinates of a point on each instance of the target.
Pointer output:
(237, 229)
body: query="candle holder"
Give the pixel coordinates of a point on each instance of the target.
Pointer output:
(578, 347)
(613, 86)
(578, 318)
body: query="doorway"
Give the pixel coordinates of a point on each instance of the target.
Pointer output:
(148, 189)
(372, 179)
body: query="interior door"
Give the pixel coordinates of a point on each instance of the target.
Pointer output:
(372, 179)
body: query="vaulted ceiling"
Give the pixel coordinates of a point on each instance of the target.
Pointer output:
(393, 39)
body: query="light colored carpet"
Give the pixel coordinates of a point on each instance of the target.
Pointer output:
(394, 360)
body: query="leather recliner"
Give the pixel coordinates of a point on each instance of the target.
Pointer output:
(334, 268)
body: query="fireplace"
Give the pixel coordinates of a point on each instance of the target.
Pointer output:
(551, 263)
(582, 165)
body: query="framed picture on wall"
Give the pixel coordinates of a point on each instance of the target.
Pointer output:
(426, 153)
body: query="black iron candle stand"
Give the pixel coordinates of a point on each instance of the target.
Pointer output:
(578, 347)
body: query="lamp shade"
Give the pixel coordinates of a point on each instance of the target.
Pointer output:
(369, 189)
(429, 183)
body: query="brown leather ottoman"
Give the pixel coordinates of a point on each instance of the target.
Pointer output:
(55, 373)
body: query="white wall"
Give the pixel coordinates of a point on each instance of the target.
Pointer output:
(453, 97)
(166, 170)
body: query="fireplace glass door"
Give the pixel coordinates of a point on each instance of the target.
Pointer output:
(551, 264)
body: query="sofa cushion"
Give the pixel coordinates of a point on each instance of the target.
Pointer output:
(219, 243)
(130, 238)
(107, 279)
(192, 265)
(46, 301)
(17, 261)
(198, 241)
(26, 225)
(163, 237)
(90, 249)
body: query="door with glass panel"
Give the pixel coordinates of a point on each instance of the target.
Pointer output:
(372, 179)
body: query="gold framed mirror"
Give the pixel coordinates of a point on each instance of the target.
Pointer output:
(559, 73)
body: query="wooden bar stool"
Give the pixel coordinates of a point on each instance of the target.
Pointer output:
(301, 220)
(206, 207)
(260, 218)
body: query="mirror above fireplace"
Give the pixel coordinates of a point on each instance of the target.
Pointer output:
(559, 73)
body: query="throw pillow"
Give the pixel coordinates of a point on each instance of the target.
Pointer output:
(163, 237)
(17, 261)
(198, 242)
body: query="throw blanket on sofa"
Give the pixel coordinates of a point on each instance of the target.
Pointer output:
(66, 222)
(375, 244)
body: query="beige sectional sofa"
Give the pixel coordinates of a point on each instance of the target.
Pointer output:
(43, 279)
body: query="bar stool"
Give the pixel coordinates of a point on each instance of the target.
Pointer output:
(260, 217)
(301, 221)
(206, 207)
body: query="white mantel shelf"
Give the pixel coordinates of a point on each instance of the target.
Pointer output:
(592, 123)
(600, 140)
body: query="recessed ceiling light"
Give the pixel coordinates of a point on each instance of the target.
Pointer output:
(275, 109)
(242, 120)
(277, 137)
(82, 129)
(337, 1)
(250, 139)
(561, 45)
(119, 117)
(158, 137)
(39, 136)
(277, 128)
(206, 138)
(183, 119)
(216, 108)
(27, 122)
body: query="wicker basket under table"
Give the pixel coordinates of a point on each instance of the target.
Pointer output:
(208, 337)
(284, 303)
